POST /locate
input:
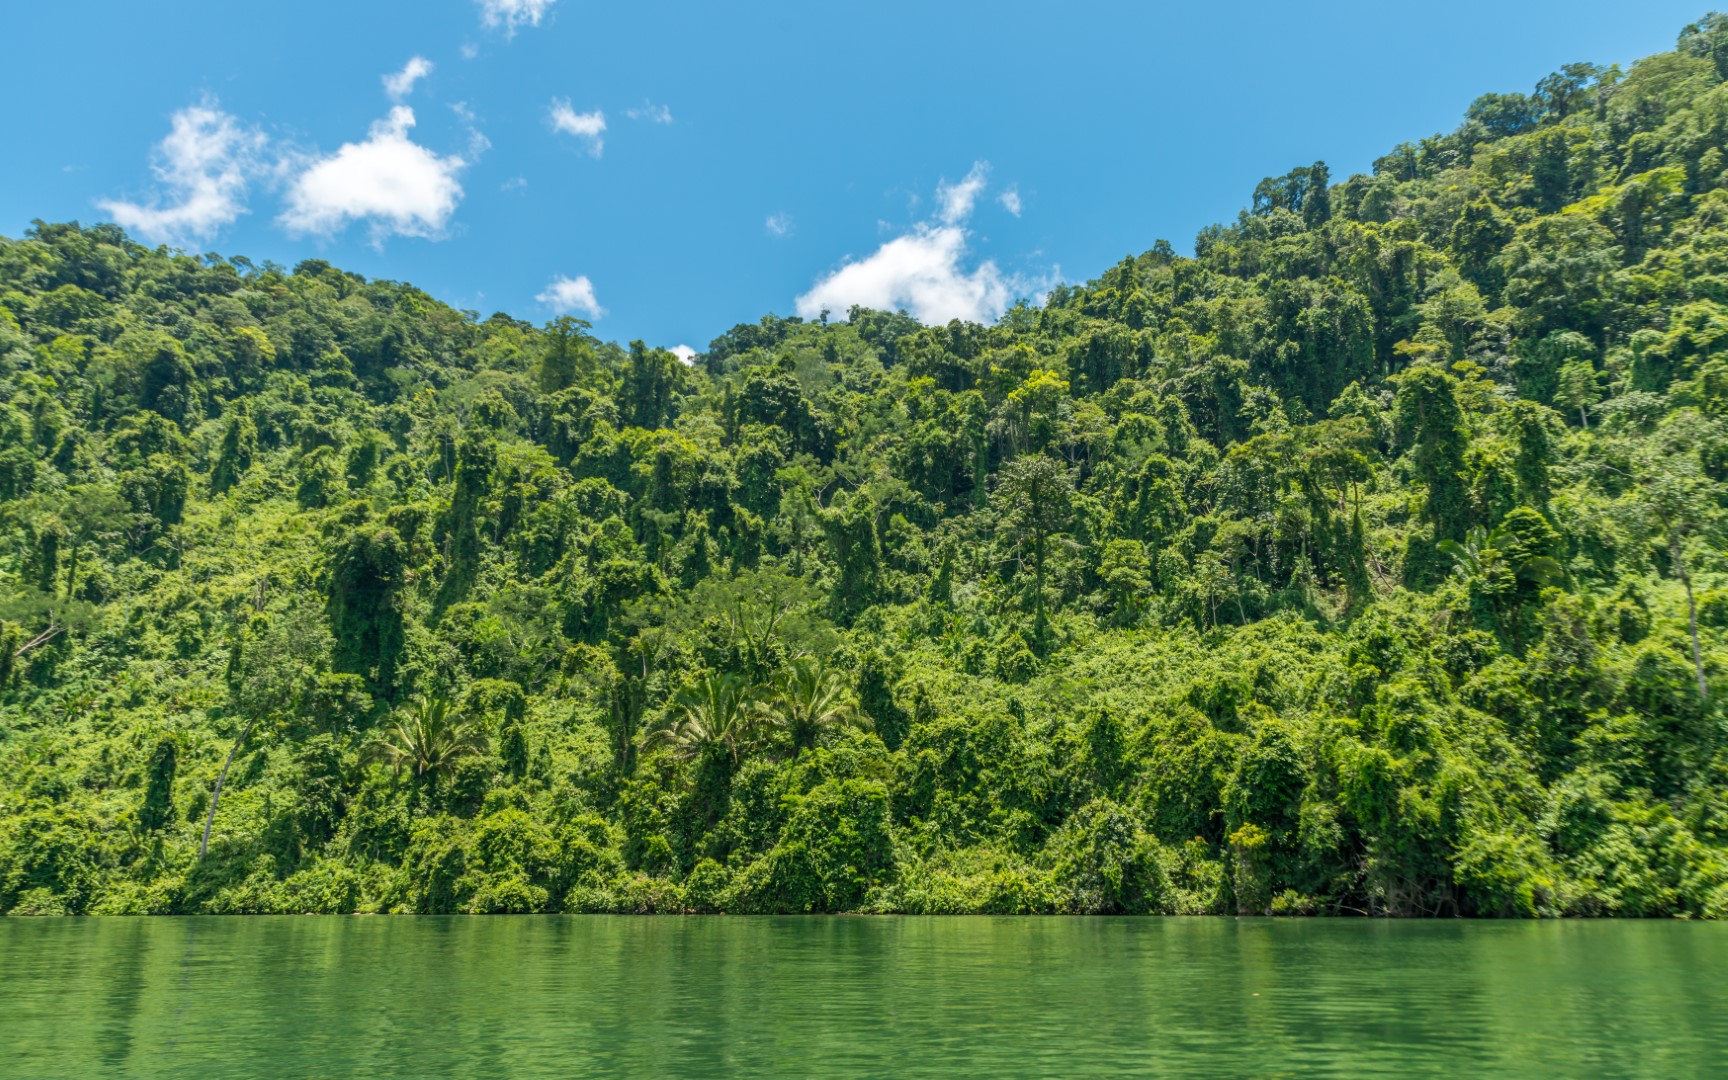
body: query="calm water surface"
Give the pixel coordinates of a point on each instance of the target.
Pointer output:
(599, 996)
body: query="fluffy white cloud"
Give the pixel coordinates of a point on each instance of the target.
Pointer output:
(401, 84)
(956, 200)
(1010, 201)
(654, 114)
(398, 185)
(566, 295)
(684, 353)
(920, 272)
(778, 224)
(204, 163)
(588, 126)
(924, 271)
(510, 15)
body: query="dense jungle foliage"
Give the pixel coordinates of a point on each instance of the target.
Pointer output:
(1371, 560)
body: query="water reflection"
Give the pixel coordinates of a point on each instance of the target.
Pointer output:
(857, 996)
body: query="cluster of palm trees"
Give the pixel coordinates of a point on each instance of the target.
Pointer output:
(720, 715)
(726, 716)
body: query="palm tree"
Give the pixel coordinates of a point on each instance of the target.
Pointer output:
(1482, 551)
(808, 701)
(713, 716)
(1467, 558)
(429, 739)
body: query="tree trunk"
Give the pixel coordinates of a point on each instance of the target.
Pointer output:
(45, 636)
(216, 796)
(1040, 624)
(1691, 616)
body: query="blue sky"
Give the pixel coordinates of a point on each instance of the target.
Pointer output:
(668, 170)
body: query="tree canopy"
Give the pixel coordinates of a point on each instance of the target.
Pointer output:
(1370, 560)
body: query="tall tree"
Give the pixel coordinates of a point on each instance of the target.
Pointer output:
(1680, 505)
(1430, 424)
(1035, 494)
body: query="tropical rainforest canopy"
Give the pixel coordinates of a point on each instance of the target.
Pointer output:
(1369, 561)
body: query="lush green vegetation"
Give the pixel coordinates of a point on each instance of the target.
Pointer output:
(1369, 561)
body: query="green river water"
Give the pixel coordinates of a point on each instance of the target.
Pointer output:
(659, 996)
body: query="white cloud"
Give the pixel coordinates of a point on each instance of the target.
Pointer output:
(1010, 201)
(204, 163)
(515, 183)
(478, 143)
(924, 271)
(401, 84)
(684, 353)
(778, 224)
(654, 114)
(511, 15)
(470, 50)
(957, 199)
(398, 185)
(588, 126)
(920, 272)
(565, 295)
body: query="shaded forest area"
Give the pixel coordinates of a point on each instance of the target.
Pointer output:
(1369, 561)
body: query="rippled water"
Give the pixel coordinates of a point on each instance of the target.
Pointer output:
(613, 996)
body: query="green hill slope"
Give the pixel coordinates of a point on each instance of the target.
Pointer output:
(1372, 560)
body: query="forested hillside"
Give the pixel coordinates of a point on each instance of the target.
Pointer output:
(1370, 561)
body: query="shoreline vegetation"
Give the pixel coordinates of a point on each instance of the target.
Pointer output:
(1371, 561)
